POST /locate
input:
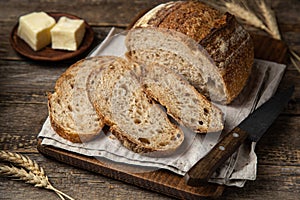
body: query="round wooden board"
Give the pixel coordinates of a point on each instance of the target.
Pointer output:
(47, 53)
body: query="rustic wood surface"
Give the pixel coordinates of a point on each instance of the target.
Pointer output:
(23, 109)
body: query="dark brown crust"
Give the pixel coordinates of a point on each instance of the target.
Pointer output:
(208, 26)
(236, 72)
(161, 15)
(192, 18)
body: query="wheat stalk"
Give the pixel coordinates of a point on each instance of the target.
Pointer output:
(29, 171)
(241, 11)
(294, 58)
(266, 21)
(22, 174)
(22, 161)
(270, 19)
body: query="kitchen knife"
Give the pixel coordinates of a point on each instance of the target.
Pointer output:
(253, 127)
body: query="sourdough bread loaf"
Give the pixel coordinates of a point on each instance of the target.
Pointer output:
(137, 122)
(225, 41)
(72, 116)
(182, 101)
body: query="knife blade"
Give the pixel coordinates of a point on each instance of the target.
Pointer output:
(253, 128)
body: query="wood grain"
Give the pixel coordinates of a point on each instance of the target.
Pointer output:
(23, 109)
(160, 180)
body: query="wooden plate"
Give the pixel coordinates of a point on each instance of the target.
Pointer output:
(47, 53)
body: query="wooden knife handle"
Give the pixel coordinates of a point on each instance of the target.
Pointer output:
(203, 169)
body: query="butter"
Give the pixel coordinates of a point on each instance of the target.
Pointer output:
(67, 34)
(34, 29)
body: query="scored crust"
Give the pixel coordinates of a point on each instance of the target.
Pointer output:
(228, 44)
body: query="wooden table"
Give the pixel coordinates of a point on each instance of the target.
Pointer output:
(23, 109)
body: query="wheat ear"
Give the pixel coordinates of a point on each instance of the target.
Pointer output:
(294, 58)
(271, 22)
(245, 15)
(269, 18)
(22, 161)
(242, 10)
(29, 171)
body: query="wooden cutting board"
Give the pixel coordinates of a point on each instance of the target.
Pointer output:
(162, 181)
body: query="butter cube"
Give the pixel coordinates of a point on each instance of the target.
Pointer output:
(67, 34)
(34, 29)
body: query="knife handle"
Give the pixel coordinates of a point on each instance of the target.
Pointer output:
(203, 169)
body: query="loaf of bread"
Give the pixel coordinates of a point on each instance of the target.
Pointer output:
(225, 41)
(119, 99)
(72, 116)
(182, 101)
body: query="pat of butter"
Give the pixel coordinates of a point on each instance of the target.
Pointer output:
(34, 29)
(67, 34)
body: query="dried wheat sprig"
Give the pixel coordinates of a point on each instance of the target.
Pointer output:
(28, 177)
(30, 172)
(246, 15)
(22, 174)
(269, 18)
(295, 54)
(294, 58)
(22, 161)
(245, 12)
(241, 10)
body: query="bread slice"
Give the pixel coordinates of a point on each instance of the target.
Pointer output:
(219, 71)
(72, 116)
(138, 123)
(102, 81)
(182, 101)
